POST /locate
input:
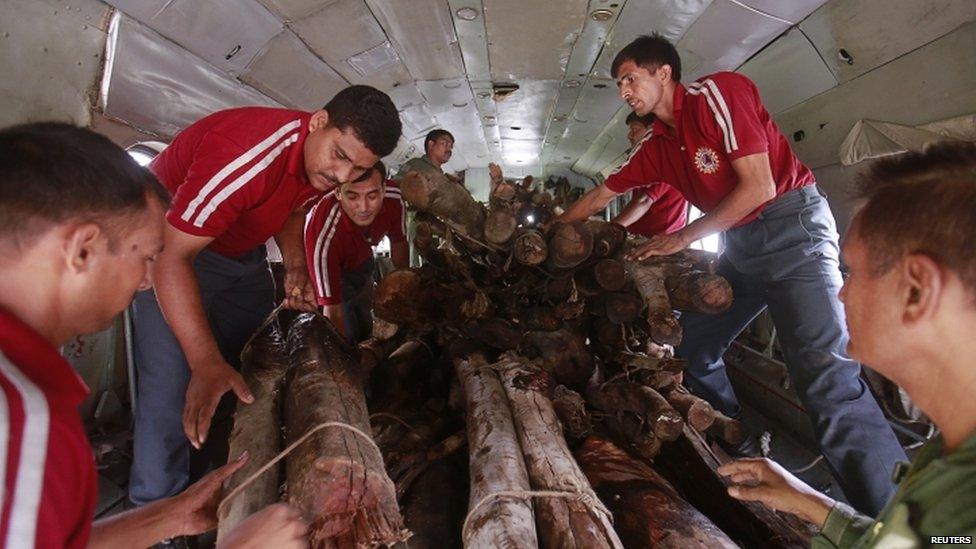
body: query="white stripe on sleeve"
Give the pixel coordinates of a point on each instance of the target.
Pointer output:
(26, 497)
(251, 154)
(4, 442)
(321, 269)
(725, 111)
(228, 190)
(697, 88)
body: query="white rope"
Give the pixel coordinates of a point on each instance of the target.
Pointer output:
(240, 487)
(590, 502)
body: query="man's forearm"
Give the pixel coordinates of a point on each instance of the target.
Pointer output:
(179, 298)
(139, 527)
(593, 201)
(755, 188)
(290, 241)
(400, 254)
(634, 210)
(334, 313)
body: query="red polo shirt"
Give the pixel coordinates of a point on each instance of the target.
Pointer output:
(718, 118)
(667, 214)
(333, 243)
(236, 175)
(46, 464)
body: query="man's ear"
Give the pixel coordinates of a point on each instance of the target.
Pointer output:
(923, 282)
(664, 73)
(80, 244)
(319, 120)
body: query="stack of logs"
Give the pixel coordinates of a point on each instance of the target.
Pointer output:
(545, 353)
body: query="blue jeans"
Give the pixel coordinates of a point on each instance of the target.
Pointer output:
(788, 260)
(237, 295)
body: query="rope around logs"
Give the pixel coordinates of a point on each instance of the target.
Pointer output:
(264, 468)
(592, 504)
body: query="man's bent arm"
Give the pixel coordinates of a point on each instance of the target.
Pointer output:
(593, 201)
(400, 254)
(299, 293)
(178, 293)
(634, 210)
(334, 313)
(755, 188)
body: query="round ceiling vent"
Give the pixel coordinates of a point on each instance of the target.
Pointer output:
(601, 15)
(467, 14)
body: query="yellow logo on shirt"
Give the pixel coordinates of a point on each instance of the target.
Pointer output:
(706, 160)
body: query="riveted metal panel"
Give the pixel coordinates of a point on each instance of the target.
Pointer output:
(423, 33)
(291, 74)
(158, 86)
(788, 71)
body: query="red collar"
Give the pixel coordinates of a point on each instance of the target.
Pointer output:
(678, 101)
(296, 156)
(40, 361)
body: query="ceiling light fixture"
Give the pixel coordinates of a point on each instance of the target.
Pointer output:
(467, 14)
(601, 15)
(460, 105)
(484, 94)
(489, 118)
(572, 83)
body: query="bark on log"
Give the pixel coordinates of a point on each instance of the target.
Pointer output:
(607, 237)
(727, 429)
(561, 522)
(257, 427)
(690, 466)
(696, 411)
(530, 248)
(496, 462)
(335, 476)
(699, 292)
(563, 354)
(664, 421)
(621, 308)
(660, 316)
(452, 203)
(569, 245)
(396, 295)
(500, 225)
(571, 410)
(434, 507)
(647, 510)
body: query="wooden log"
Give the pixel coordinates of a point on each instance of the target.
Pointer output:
(500, 225)
(690, 466)
(335, 476)
(530, 248)
(452, 203)
(569, 245)
(571, 410)
(434, 507)
(496, 463)
(699, 292)
(395, 297)
(607, 237)
(696, 411)
(621, 308)
(563, 354)
(561, 522)
(728, 429)
(634, 361)
(257, 427)
(494, 332)
(664, 421)
(647, 510)
(538, 318)
(650, 284)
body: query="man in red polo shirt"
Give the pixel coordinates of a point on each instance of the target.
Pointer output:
(655, 209)
(238, 177)
(715, 142)
(340, 233)
(80, 223)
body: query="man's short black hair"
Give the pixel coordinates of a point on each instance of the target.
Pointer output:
(649, 52)
(434, 135)
(646, 120)
(52, 172)
(370, 113)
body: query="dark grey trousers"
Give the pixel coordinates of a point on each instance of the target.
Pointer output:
(788, 260)
(237, 296)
